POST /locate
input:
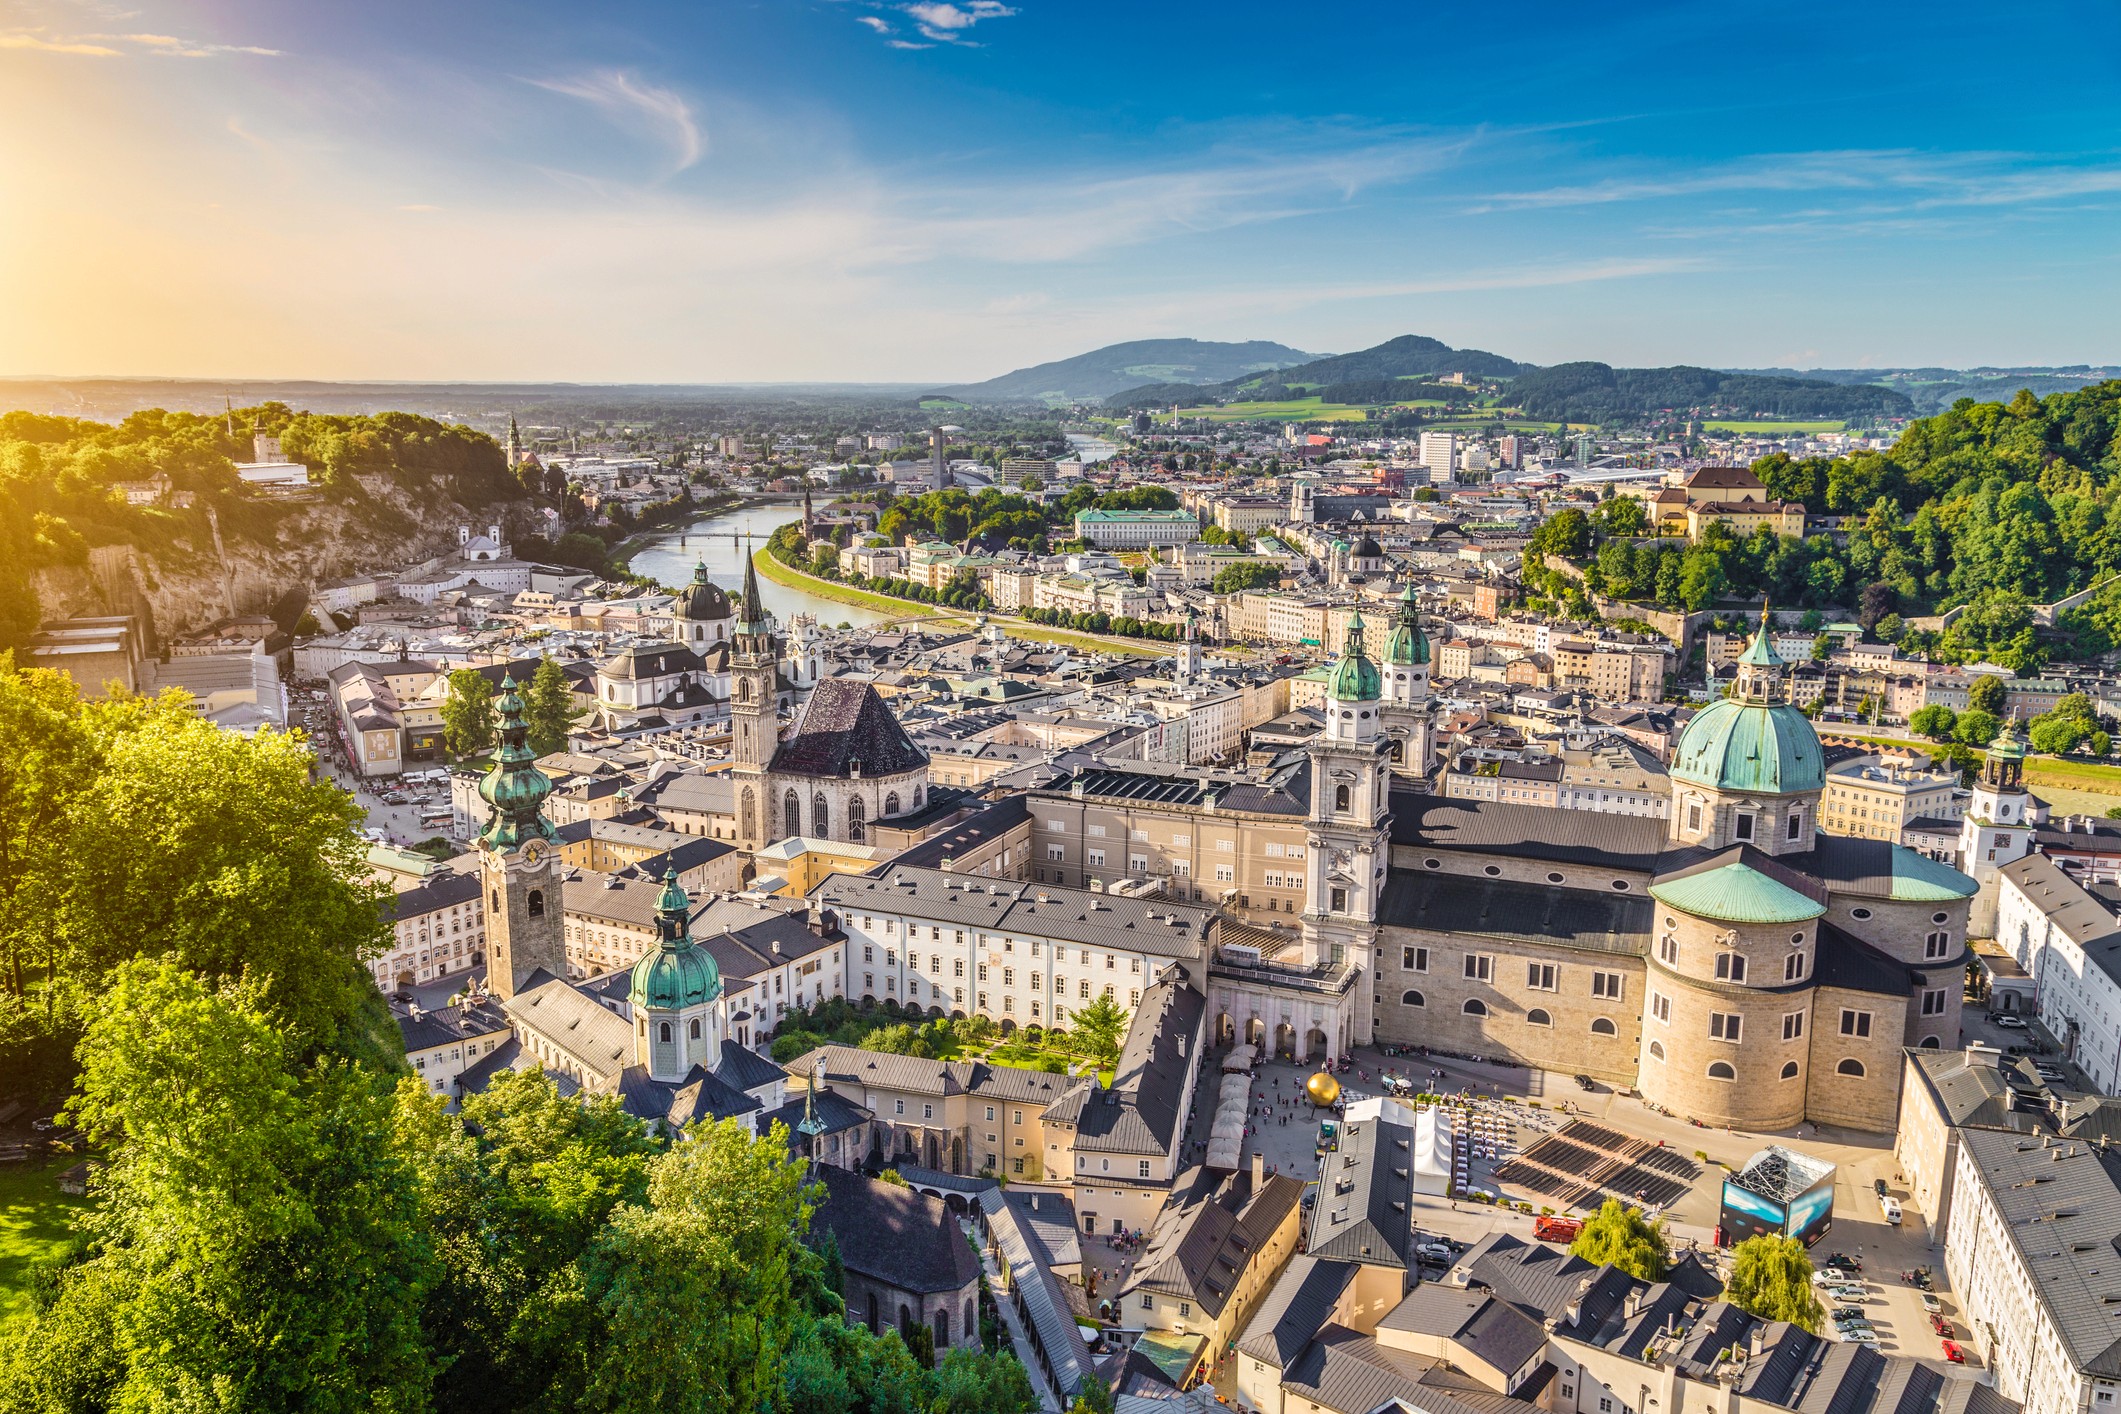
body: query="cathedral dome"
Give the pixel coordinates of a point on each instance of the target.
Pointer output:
(1355, 678)
(1408, 646)
(703, 598)
(1367, 548)
(1756, 748)
(679, 973)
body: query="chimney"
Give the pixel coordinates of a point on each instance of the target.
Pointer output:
(1980, 1053)
(1259, 1171)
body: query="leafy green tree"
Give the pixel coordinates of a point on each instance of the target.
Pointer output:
(548, 707)
(974, 1382)
(50, 754)
(1095, 1397)
(258, 1245)
(1099, 1028)
(1934, 721)
(1620, 1235)
(1987, 694)
(1253, 574)
(1771, 1277)
(468, 714)
(2056, 735)
(1566, 533)
(1976, 727)
(2077, 707)
(693, 1289)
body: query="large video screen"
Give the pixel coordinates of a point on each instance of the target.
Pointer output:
(1747, 1214)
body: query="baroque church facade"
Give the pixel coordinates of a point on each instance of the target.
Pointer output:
(1731, 962)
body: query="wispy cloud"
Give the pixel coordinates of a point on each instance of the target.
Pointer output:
(116, 46)
(951, 24)
(661, 112)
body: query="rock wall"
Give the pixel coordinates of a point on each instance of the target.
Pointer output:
(266, 548)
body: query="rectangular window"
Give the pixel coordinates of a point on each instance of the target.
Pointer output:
(957, 967)
(1054, 851)
(1414, 959)
(1792, 1025)
(868, 953)
(1137, 862)
(1145, 1173)
(1724, 1025)
(1742, 826)
(1097, 859)
(1661, 1008)
(1730, 967)
(1607, 985)
(898, 1106)
(990, 1117)
(1933, 1002)
(1224, 846)
(983, 972)
(1479, 966)
(1693, 823)
(927, 1112)
(1668, 950)
(1038, 981)
(1097, 831)
(1085, 987)
(1008, 977)
(1224, 874)
(1539, 976)
(1855, 1023)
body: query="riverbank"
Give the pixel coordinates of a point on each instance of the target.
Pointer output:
(910, 612)
(660, 522)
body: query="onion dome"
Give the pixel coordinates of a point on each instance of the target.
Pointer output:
(2010, 745)
(703, 598)
(679, 973)
(1367, 548)
(1408, 646)
(1356, 678)
(1750, 743)
(515, 788)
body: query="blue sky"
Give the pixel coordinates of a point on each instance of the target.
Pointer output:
(850, 189)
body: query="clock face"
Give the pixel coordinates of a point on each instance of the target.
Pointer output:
(534, 852)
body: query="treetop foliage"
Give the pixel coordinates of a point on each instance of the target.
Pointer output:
(1621, 1235)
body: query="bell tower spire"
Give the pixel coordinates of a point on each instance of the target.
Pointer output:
(754, 668)
(517, 861)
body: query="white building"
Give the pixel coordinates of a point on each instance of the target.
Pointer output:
(2069, 943)
(2031, 1227)
(1439, 453)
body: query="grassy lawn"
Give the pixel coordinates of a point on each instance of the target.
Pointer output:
(34, 1221)
(2085, 776)
(909, 612)
(1293, 409)
(1719, 425)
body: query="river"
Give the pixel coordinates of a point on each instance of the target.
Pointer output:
(669, 559)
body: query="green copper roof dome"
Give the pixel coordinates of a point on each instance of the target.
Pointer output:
(515, 788)
(1736, 893)
(679, 973)
(1408, 646)
(2010, 744)
(1356, 678)
(1749, 742)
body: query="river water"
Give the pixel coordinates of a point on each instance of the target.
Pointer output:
(669, 560)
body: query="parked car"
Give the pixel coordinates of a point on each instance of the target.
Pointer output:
(1878, 1186)
(1551, 1227)
(1891, 1208)
(1953, 1353)
(1434, 1252)
(2007, 1022)
(1863, 1337)
(1930, 1303)
(1848, 1313)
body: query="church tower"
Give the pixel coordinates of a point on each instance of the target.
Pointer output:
(1996, 830)
(1188, 669)
(676, 994)
(518, 862)
(754, 668)
(1406, 700)
(1346, 842)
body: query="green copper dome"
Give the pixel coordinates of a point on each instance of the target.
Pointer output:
(1758, 748)
(1750, 742)
(515, 788)
(1355, 678)
(1736, 893)
(679, 973)
(2009, 745)
(1408, 647)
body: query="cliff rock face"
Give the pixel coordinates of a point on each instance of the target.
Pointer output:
(265, 548)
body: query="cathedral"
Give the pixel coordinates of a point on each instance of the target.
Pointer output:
(684, 680)
(658, 1036)
(848, 763)
(1732, 962)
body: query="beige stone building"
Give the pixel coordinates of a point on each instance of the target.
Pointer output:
(1214, 1252)
(1878, 797)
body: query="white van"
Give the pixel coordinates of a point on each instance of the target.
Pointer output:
(1891, 1207)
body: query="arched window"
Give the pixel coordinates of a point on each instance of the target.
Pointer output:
(792, 811)
(916, 797)
(496, 901)
(1340, 797)
(1789, 1070)
(970, 1321)
(743, 689)
(891, 808)
(663, 1032)
(1412, 998)
(1475, 1007)
(1929, 1043)
(1603, 1026)
(1850, 1066)
(820, 816)
(854, 820)
(695, 1028)
(1538, 1016)
(1656, 1050)
(747, 812)
(1722, 1070)
(537, 903)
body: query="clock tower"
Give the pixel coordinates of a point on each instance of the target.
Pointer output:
(1350, 800)
(754, 713)
(518, 863)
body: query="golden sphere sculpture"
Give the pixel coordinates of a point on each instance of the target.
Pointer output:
(1323, 1089)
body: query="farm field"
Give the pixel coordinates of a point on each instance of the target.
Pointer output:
(1721, 425)
(34, 1222)
(1293, 409)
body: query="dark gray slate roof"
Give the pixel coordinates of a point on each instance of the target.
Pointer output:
(845, 728)
(893, 1235)
(1207, 1233)
(1365, 1189)
(2063, 1215)
(1977, 1094)
(443, 1025)
(1599, 921)
(1139, 1113)
(1299, 1303)
(835, 1113)
(700, 1096)
(1848, 962)
(651, 661)
(1623, 842)
(967, 835)
(437, 891)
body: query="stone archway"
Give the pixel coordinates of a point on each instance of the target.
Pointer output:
(1316, 1044)
(1225, 1030)
(1255, 1032)
(1285, 1040)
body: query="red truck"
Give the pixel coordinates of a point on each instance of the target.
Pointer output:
(1550, 1228)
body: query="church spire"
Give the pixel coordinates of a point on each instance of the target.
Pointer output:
(515, 788)
(754, 613)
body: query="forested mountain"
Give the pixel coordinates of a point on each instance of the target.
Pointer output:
(1935, 389)
(1117, 367)
(1995, 506)
(1597, 392)
(1408, 356)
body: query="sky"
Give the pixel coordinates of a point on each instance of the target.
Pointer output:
(930, 190)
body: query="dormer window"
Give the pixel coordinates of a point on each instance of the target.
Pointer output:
(1742, 826)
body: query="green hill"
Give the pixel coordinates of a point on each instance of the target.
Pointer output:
(1119, 367)
(1597, 392)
